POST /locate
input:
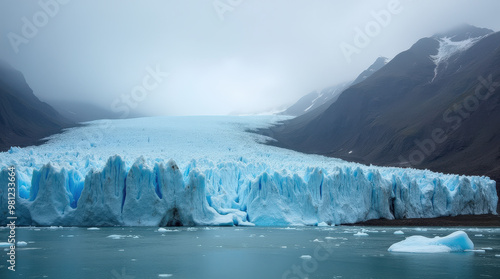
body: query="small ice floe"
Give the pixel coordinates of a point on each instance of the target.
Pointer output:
(497, 255)
(487, 248)
(121, 250)
(165, 275)
(323, 224)
(284, 247)
(399, 232)
(360, 234)
(191, 229)
(475, 250)
(262, 235)
(115, 236)
(120, 236)
(18, 243)
(54, 227)
(163, 230)
(93, 229)
(479, 235)
(454, 242)
(306, 257)
(317, 240)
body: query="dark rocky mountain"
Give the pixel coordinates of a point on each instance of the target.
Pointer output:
(321, 100)
(435, 105)
(24, 119)
(83, 112)
(315, 100)
(377, 65)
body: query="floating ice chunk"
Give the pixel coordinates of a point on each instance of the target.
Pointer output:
(115, 236)
(322, 224)
(454, 242)
(399, 232)
(93, 229)
(360, 234)
(306, 257)
(475, 250)
(7, 244)
(165, 275)
(497, 255)
(479, 235)
(487, 248)
(54, 228)
(163, 230)
(284, 247)
(317, 240)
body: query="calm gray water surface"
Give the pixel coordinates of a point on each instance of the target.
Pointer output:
(235, 252)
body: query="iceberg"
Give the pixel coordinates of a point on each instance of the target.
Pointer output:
(457, 241)
(203, 171)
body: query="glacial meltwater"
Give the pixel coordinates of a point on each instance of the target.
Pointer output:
(242, 252)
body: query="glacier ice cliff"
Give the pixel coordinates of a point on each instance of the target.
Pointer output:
(221, 176)
(240, 194)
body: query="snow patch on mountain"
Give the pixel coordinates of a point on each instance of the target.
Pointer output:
(448, 48)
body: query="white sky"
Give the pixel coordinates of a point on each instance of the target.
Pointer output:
(262, 56)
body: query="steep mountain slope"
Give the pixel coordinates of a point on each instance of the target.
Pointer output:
(315, 99)
(81, 112)
(329, 95)
(436, 105)
(377, 65)
(24, 119)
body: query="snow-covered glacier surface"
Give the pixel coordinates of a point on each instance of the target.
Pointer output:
(212, 171)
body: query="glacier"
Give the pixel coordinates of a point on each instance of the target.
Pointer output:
(213, 170)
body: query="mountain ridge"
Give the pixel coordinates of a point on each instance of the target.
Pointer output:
(24, 119)
(397, 109)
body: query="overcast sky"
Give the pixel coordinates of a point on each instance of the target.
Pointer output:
(224, 56)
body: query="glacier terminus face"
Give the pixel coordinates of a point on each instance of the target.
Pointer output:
(211, 170)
